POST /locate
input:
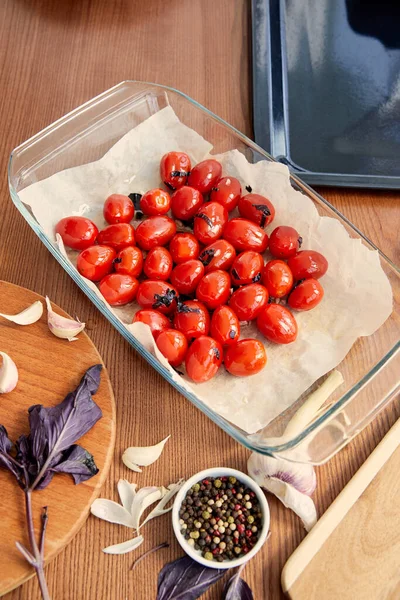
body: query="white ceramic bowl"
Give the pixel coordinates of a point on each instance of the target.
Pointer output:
(220, 472)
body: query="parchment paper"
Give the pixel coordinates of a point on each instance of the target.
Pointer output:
(358, 296)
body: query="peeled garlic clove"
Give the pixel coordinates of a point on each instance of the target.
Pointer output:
(136, 456)
(27, 316)
(8, 374)
(125, 547)
(62, 327)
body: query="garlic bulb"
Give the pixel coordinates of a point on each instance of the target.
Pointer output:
(62, 327)
(8, 374)
(27, 316)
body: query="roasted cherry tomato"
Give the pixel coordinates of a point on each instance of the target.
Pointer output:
(245, 235)
(117, 236)
(248, 301)
(155, 231)
(160, 295)
(284, 242)
(227, 192)
(192, 319)
(277, 278)
(174, 169)
(214, 289)
(173, 345)
(308, 263)
(154, 319)
(155, 202)
(186, 276)
(203, 359)
(247, 268)
(158, 263)
(77, 232)
(129, 261)
(306, 295)
(96, 262)
(205, 175)
(256, 208)
(218, 255)
(118, 209)
(183, 247)
(185, 203)
(209, 222)
(247, 357)
(277, 324)
(119, 289)
(225, 326)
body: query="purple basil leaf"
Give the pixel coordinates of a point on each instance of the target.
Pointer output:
(44, 482)
(185, 579)
(78, 462)
(5, 458)
(237, 589)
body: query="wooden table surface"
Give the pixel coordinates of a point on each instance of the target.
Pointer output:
(55, 55)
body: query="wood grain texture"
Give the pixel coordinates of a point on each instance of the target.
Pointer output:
(353, 551)
(49, 368)
(54, 55)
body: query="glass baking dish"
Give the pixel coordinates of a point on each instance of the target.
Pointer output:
(371, 368)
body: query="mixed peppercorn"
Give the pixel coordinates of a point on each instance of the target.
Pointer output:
(221, 518)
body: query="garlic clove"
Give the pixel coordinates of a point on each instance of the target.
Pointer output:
(127, 492)
(62, 327)
(112, 512)
(160, 509)
(27, 316)
(143, 499)
(125, 547)
(136, 456)
(302, 505)
(8, 374)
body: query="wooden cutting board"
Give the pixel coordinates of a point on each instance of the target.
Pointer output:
(353, 552)
(49, 368)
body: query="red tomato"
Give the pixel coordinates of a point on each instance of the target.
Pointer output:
(183, 247)
(158, 263)
(155, 231)
(192, 319)
(96, 262)
(308, 263)
(227, 192)
(306, 295)
(174, 169)
(247, 268)
(155, 202)
(203, 359)
(117, 236)
(118, 209)
(256, 208)
(160, 295)
(214, 289)
(218, 255)
(209, 222)
(247, 357)
(277, 324)
(205, 175)
(77, 232)
(119, 289)
(284, 242)
(173, 345)
(248, 301)
(186, 276)
(245, 235)
(277, 278)
(129, 261)
(225, 326)
(154, 319)
(185, 202)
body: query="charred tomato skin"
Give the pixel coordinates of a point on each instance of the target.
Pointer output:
(225, 327)
(203, 359)
(174, 169)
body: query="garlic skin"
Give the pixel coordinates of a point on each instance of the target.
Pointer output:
(27, 316)
(292, 483)
(8, 374)
(62, 327)
(143, 456)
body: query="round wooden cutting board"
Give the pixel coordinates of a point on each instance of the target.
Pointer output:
(49, 368)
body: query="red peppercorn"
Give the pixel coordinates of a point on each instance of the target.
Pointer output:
(249, 533)
(245, 549)
(240, 528)
(233, 491)
(216, 551)
(237, 507)
(241, 518)
(223, 478)
(252, 494)
(205, 481)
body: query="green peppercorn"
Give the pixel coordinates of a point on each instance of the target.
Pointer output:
(196, 487)
(206, 515)
(232, 479)
(217, 483)
(208, 556)
(231, 520)
(194, 535)
(250, 519)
